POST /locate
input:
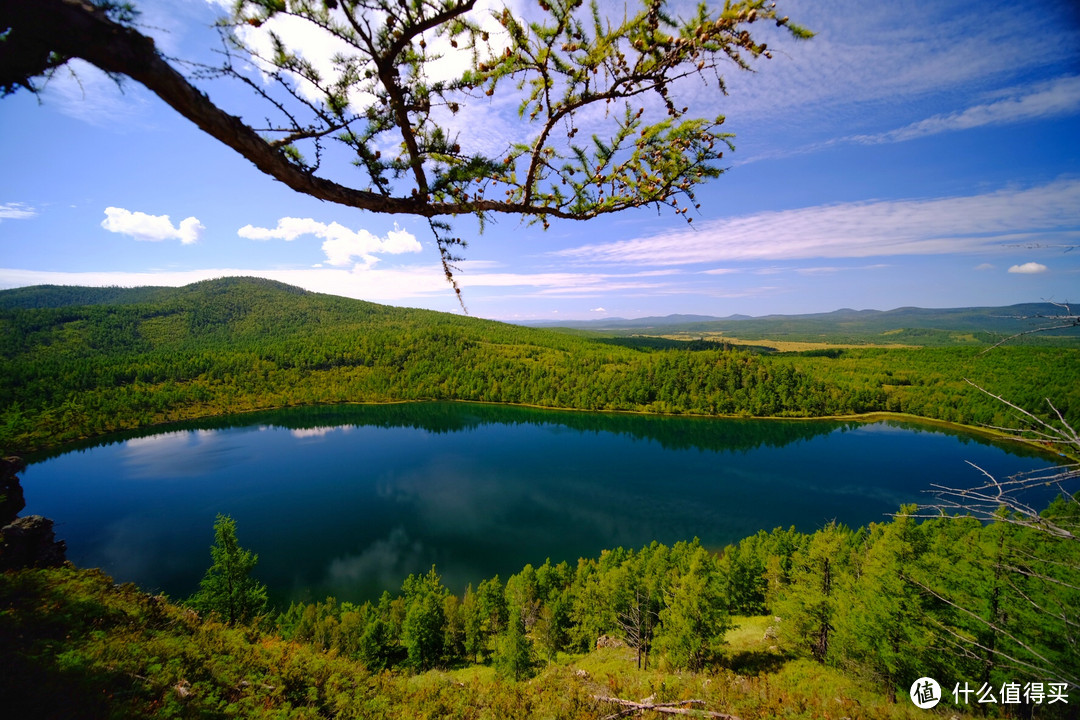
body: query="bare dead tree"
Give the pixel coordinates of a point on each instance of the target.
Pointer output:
(638, 622)
(1061, 321)
(629, 707)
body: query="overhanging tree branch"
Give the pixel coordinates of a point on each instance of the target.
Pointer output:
(568, 67)
(78, 29)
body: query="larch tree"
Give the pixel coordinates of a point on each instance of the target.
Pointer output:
(883, 633)
(423, 631)
(606, 100)
(694, 619)
(808, 605)
(228, 589)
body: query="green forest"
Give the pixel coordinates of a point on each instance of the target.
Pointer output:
(832, 623)
(81, 362)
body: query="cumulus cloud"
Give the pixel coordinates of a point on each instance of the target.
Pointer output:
(318, 432)
(1028, 268)
(16, 211)
(984, 266)
(340, 243)
(151, 228)
(937, 226)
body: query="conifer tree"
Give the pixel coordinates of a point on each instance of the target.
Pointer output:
(883, 631)
(618, 76)
(228, 588)
(808, 605)
(514, 655)
(423, 629)
(694, 619)
(474, 624)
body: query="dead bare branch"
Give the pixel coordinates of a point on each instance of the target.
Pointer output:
(671, 708)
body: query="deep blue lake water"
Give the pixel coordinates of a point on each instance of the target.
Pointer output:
(347, 500)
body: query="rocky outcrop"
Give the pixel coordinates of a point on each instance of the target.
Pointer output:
(30, 542)
(11, 493)
(606, 641)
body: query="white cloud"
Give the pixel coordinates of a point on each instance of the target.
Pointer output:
(1059, 97)
(318, 432)
(598, 310)
(152, 228)
(977, 223)
(16, 211)
(1029, 268)
(831, 269)
(320, 48)
(984, 266)
(384, 561)
(340, 243)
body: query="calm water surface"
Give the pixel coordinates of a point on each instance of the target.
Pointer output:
(348, 500)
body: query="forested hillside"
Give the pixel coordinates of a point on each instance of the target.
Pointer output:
(78, 362)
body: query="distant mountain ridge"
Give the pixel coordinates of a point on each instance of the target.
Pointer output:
(904, 325)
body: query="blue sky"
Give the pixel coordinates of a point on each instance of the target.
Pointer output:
(912, 153)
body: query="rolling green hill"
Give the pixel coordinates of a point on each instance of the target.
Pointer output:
(79, 362)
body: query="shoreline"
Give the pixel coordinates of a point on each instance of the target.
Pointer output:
(870, 417)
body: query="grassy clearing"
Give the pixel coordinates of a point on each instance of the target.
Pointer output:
(779, 345)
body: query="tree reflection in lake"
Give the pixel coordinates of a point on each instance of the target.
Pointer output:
(348, 500)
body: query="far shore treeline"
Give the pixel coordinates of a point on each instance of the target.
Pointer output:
(82, 362)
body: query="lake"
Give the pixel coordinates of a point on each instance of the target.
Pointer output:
(348, 500)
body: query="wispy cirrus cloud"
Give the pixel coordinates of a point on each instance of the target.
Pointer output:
(151, 228)
(397, 284)
(969, 224)
(867, 54)
(340, 243)
(16, 211)
(1055, 98)
(82, 91)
